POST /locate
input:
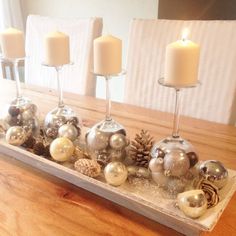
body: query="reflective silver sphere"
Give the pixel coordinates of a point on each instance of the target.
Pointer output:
(16, 135)
(193, 203)
(215, 172)
(69, 131)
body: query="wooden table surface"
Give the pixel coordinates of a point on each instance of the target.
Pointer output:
(35, 203)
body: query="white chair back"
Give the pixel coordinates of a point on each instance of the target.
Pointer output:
(78, 78)
(214, 99)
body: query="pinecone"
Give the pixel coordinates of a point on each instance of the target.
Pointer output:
(140, 148)
(88, 167)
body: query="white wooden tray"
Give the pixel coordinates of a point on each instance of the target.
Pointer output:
(141, 198)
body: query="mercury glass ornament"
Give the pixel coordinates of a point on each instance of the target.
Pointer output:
(16, 135)
(136, 171)
(62, 114)
(20, 110)
(115, 173)
(69, 131)
(61, 149)
(193, 203)
(215, 172)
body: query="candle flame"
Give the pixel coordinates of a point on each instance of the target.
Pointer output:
(185, 34)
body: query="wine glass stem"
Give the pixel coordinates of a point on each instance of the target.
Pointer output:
(108, 99)
(59, 87)
(17, 78)
(175, 133)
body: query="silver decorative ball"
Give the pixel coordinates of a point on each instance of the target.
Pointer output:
(115, 173)
(215, 172)
(118, 141)
(156, 164)
(16, 135)
(176, 162)
(137, 171)
(69, 131)
(61, 149)
(27, 115)
(193, 203)
(97, 140)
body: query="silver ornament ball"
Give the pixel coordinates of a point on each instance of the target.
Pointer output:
(156, 164)
(115, 173)
(118, 141)
(193, 203)
(176, 162)
(16, 135)
(97, 140)
(69, 131)
(215, 172)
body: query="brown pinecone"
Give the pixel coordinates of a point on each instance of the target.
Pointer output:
(88, 167)
(140, 148)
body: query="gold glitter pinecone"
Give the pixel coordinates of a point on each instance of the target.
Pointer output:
(140, 148)
(88, 167)
(211, 192)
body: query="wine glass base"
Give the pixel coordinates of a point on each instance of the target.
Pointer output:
(60, 116)
(106, 142)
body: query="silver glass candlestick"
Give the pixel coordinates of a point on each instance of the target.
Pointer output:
(62, 114)
(106, 140)
(20, 111)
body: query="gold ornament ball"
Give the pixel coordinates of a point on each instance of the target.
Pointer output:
(16, 135)
(193, 203)
(115, 173)
(61, 149)
(118, 141)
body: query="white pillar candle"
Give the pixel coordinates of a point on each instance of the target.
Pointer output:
(12, 43)
(57, 49)
(107, 55)
(181, 64)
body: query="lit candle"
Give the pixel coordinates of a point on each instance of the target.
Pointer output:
(181, 64)
(12, 43)
(57, 49)
(107, 55)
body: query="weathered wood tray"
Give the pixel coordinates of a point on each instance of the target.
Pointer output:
(140, 197)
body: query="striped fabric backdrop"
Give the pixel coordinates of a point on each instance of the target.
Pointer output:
(215, 98)
(78, 77)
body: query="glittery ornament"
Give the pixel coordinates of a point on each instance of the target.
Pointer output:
(137, 171)
(215, 172)
(103, 158)
(118, 141)
(69, 131)
(14, 111)
(61, 149)
(88, 167)
(193, 203)
(115, 173)
(52, 133)
(176, 162)
(16, 135)
(193, 158)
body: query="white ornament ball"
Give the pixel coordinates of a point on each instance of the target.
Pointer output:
(115, 173)
(193, 203)
(68, 131)
(61, 149)
(118, 141)
(16, 135)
